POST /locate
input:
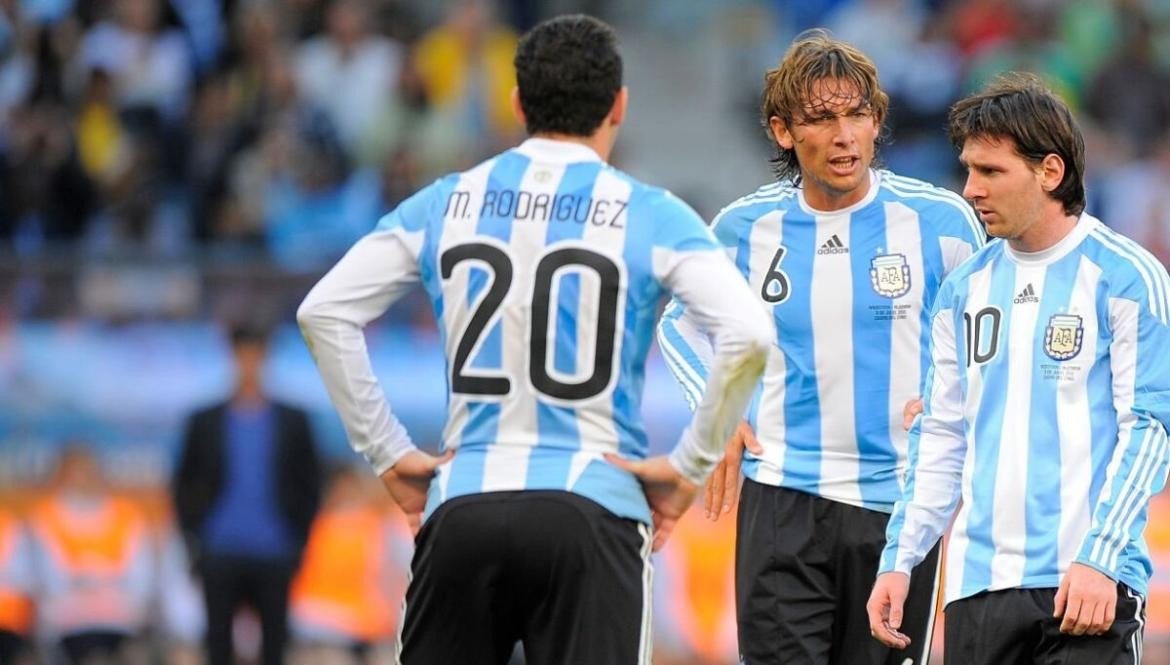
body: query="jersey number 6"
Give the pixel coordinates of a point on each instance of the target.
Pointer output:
(500, 264)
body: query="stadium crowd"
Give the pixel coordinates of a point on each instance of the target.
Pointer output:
(226, 134)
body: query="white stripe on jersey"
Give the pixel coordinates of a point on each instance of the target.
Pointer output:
(912, 188)
(832, 281)
(979, 286)
(1009, 528)
(1154, 277)
(1075, 427)
(505, 465)
(596, 428)
(904, 236)
(457, 313)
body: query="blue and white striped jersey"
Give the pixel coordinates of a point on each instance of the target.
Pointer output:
(850, 292)
(545, 268)
(1046, 411)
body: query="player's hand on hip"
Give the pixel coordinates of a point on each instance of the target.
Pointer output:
(1087, 601)
(667, 492)
(885, 609)
(722, 488)
(408, 481)
(910, 412)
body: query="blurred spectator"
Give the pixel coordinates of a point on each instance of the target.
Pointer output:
(245, 490)
(1131, 95)
(348, 72)
(1139, 200)
(980, 24)
(347, 595)
(466, 68)
(16, 588)
(95, 565)
(150, 66)
(46, 193)
(182, 617)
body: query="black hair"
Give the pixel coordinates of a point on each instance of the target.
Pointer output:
(569, 73)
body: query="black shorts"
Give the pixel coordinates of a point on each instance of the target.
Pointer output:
(1016, 626)
(552, 570)
(804, 568)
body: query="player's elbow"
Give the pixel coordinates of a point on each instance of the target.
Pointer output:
(750, 338)
(311, 314)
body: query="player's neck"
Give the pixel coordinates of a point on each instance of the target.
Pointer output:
(1047, 232)
(600, 142)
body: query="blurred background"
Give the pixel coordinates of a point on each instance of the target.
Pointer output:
(170, 168)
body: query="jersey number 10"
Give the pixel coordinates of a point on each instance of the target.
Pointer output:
(501, 267)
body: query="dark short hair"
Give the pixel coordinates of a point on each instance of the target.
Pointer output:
(815, 55)
(569, 72)
(1020, 107)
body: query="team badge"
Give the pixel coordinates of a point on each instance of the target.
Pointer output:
(890, 275)
(1062, 337)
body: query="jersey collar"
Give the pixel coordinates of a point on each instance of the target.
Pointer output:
(1046, 256)
(551, 150)
(875, 182)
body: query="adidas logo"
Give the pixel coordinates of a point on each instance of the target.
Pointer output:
(1026, 296)
(833, 246)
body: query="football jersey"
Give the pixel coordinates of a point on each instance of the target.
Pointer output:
(1045, 411)
(850, 291)
(545, 268)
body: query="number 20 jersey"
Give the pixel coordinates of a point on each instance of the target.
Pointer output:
(850, 292)
(545, 270)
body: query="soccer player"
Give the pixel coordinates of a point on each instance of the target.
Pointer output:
(847, 260)
(1045, 408)
(545, 267)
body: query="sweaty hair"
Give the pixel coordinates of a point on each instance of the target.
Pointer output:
(569, 72)
(788, 89)
(1019, 107)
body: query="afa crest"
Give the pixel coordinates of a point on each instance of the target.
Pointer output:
(1062, 337)
(890, 275)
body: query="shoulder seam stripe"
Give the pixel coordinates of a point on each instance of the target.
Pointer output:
(1158, 272)
(1157, 303)
(963, 207)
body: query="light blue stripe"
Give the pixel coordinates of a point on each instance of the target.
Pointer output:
(1044, 452)
(678, 352)
(877, 459)
(1111, 241)
(802, 408)
(910, 189)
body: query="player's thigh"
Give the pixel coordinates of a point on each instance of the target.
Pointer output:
(457, 605)
(997, 628)
(583, 583)
(1120, 645)
(785, 597)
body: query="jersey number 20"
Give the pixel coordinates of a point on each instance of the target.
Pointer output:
(500, 264)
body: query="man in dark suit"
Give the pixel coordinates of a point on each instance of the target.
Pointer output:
(246, 489)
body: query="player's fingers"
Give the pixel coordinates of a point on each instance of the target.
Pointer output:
(1084, 618)
(635, 467)
(730, 486)
(875, 608)
(1097, 623)
(751, 442)
(1072, 611)
(1110, 616)
(715, 485)
(709, 497)
(1061, 598)
(895, 614)
(662, 532)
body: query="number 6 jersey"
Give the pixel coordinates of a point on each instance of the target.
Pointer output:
(1046, 412)
(545, 268)
(850, 291)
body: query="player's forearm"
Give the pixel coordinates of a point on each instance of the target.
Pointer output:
(720, 302)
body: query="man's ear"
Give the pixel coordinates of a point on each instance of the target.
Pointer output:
(1051, 172)
(617, 112)
(517, 109)
(780, 133)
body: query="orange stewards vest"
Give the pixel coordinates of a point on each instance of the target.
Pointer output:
(89, 560)
(16, 608)
(701, 597)
(344, 584)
